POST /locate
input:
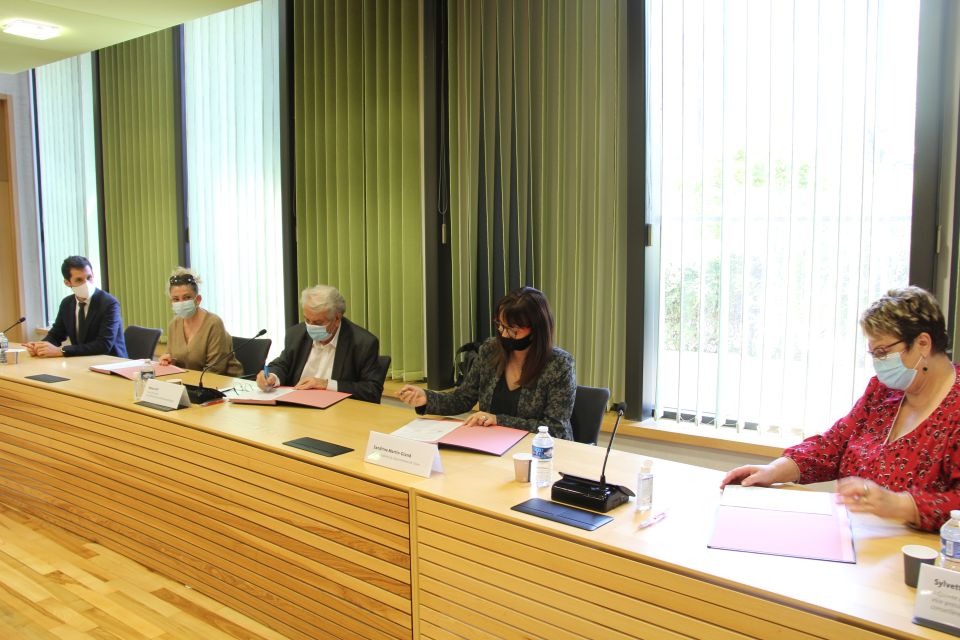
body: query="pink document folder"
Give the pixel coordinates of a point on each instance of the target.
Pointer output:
(130, 372)
(495, 440)
(815, 536)
(316, 398)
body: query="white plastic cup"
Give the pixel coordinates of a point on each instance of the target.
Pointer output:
(521, 466)
(915, 555)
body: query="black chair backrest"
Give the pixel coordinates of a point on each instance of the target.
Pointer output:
(588, 409)
(384, 364)
(253, 355)
(141, 341)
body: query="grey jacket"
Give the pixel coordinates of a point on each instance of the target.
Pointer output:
(548, 402)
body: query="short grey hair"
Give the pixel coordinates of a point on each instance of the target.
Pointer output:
(322, 298)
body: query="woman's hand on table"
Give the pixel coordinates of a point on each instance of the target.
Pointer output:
(752, 475)
(412, 396)
(866, 496)
(481, 419)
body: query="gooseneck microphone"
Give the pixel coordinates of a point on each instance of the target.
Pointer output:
(23, 319)
(199, 394)
(596, 495)
(619, 407)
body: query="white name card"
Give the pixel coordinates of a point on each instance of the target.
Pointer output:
(165, 394)
(403, 454)
(938, 599)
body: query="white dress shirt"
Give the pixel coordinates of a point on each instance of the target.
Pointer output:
(320, 361)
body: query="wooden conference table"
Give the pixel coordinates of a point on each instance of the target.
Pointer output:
(335, 547)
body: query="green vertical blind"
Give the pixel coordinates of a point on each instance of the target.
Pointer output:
(232, 125)
(358, 165)
(139, 174)
(537, 166)
(68, 173)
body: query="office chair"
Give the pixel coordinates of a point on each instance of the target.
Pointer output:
(253, 355)
(141, 341)
(384, 364)
(589, 406)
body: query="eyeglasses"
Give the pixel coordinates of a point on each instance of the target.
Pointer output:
(881, 353)
(503, 329)
(183, 278)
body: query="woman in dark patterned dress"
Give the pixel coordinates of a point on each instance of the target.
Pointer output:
(519, 378)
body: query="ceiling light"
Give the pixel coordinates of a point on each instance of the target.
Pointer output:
(31, 29)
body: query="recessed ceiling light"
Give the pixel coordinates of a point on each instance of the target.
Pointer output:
(31, 29)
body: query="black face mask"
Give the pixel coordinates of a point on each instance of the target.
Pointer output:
(516, 344)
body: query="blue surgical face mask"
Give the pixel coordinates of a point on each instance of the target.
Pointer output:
(892, 372)
(317, 332)
(184, 308)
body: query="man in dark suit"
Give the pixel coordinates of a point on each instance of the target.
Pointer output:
(327, 351)
(89, 317)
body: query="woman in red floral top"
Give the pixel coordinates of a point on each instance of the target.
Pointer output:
(897, 453)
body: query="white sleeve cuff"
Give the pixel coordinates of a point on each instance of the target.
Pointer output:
(331, 385)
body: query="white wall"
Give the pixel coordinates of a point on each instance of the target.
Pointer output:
(17, 86)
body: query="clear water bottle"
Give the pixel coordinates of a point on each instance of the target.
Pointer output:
(4, 345)
(645, 486)
(147, 372)
(950, 542)
(542, 457)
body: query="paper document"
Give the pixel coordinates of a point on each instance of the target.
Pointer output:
(794, 501)
(123, 364)
(426, 430)
(263, 396)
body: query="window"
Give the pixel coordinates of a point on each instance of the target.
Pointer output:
(780, 176)
(68, 176)
(232, 138)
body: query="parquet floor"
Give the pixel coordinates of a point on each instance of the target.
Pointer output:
(54, 584)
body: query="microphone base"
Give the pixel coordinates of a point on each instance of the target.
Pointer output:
(589, 494)
(202, 395)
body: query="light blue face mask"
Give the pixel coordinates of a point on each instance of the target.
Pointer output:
(184, 308)
(317, 332)
(892, 372)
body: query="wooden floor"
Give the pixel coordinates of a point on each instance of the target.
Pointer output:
(54, 584)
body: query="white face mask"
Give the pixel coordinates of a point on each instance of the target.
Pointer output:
(84, 291)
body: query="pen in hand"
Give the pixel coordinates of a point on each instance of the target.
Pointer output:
(266, 377)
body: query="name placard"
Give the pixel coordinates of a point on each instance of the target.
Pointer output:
(164, 395)
(403, 454)
(938, 599)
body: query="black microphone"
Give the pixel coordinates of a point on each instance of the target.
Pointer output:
(619, 407)
(23, 319)
(199, 394)
(593, 494)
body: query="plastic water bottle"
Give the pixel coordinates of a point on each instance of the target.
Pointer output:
(4, 345)
(950, 542)
(147, 372)
(645, 486)
(542, 457)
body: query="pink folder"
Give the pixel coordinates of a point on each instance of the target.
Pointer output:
(785, 533)
(130, 372)
(495, 440)
(316, 398)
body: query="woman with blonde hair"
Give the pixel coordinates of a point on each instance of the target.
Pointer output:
(897, 453)
(196, 338)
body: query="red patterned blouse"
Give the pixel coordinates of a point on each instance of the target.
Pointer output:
(924, 462)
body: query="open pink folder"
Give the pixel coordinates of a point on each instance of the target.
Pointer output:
(130, 372)
(495, 440)
(816, 536)
(316, 398)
